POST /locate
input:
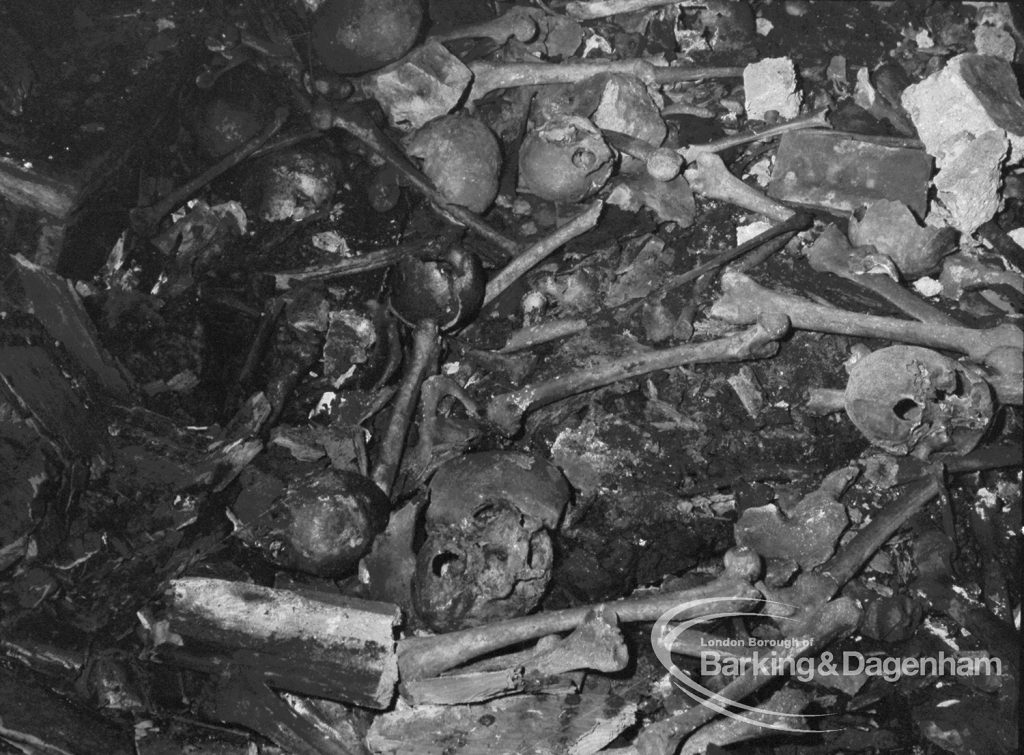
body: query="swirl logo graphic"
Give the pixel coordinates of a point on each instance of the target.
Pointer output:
(664, 636)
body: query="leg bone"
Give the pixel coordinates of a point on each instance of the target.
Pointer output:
(709, 176)
(743, 301)
(506, 410)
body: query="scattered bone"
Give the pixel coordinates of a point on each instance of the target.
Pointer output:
(748, 390)
(806, 532)
(743, 301)
(770, 85)
(532, 256)
(962, 273)
(146, 219)
(816, 120)
(586, 11)
(491, 76)
(506, 410)
(516, 23)
(424, 354)
(534, 335)
(427, 656)
(832, 621)
(832, 254)
(725, 731)
(709, 176)
(663, 163)
(359, 125)
(582, 724)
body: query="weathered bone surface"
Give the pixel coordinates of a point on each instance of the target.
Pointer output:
(491, 76)
(912, 400)
(506, 410)
(743, 301)
(831, 253)
(709, 176)
(516, 23)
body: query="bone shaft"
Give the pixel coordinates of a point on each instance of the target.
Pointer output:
(811, 120)
(745, 301)
(852, 557)
(835, 620)
(488, 76)
(586, 11)
(425, 347)
(739, 346)
(428, 656)
(738, 193)
(534, 254)
(904, 300)
(365, 131)
(674, 74)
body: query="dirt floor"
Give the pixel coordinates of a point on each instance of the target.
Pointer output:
(227, 386)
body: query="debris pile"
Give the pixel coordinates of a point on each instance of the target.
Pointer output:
(434, 377)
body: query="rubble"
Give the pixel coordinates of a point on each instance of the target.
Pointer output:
(770, 86)
(971, 95)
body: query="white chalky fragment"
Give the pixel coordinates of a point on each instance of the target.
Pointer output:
(967, 186)
(972, 94)
(770, 84)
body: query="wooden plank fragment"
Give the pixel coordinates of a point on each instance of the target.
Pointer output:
(321, 645)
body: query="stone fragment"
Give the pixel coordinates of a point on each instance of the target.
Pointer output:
(994, 41)
(967, 186)
(840, 172)
(894, 231)
(627, 107)
(973, 93)
(770, 84)
(425, 84)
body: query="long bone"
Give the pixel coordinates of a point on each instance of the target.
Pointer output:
(826, 619)
(709, 176)
(743, 302)
(664, 163)
(325, 116)
(490, 76)
(831, 253)
(516, 23)
(420, 657)
(506, 410)
(586, 11)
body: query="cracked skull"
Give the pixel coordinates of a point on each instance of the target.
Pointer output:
(912, 400)
(488, 553)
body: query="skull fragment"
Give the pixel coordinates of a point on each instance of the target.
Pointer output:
(912, 400)
(488, 553)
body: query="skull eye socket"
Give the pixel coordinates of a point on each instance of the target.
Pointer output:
(443, 564)
(907, 409)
